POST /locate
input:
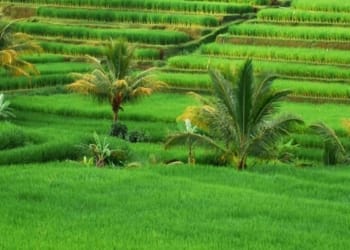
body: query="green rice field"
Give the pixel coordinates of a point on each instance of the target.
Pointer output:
(55, 193)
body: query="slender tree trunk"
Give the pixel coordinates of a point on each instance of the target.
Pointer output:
(242, 162)
(116, 104)
(191, 159)
(115, 116)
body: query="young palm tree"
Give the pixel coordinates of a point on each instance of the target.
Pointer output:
(12, 45)
(242, 114)
(191, 138)
(111, 79)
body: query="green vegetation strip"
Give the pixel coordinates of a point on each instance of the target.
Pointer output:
(158, 107)
(133, 35)
(58, 68)
(128, 16)
(209, 208)
(324, 56)
(292, 32)
(202, 81)
(303, 16)
(317, 89)
(282, 42)
(322, 5)
(94, 50)
(13, 83)
(156, 5)
(254, 2)
(197, 62)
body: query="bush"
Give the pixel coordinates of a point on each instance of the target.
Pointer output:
(102, 153)
(119, 130)
(138, 136)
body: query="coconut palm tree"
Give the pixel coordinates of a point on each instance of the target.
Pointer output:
(111, 79)
(242, 114)
(12, 45)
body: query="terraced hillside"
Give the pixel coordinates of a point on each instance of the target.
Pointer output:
(307, 50)
(53, 196)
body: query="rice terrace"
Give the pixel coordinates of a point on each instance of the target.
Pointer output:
(175, 124)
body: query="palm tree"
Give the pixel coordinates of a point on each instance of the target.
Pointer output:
(191, 138)
(111, 80)
(241, 115)
(5, 110)
(12, 45)
(334, 151)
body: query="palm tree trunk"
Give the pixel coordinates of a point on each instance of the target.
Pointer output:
(115, 116)
(191, 159)
(242, 162)
(116, 105)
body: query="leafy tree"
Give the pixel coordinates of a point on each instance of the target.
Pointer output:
(5, 110)
(12, 45)
(111, 79)
(242, 114)
(334, 151)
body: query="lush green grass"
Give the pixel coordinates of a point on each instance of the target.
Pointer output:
(315, 89)
(128, 16)
(275, 53)
(303, 16)
(322, 5)
(64, 206)
(153, 5)
(158, 107)
(285, 69)
(141, 35)
(292, 32)
(162, 107)
(332, 114)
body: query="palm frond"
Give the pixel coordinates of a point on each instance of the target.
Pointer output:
(184, 138)
(203, 100)
(223, 90)
(333, 148)
(244, 93)
(267, 135)
(265, 104)
(328, 135)
(198, 115)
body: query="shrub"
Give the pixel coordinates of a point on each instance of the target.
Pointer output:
(138, 136)
(103, 155)
(119, 130)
